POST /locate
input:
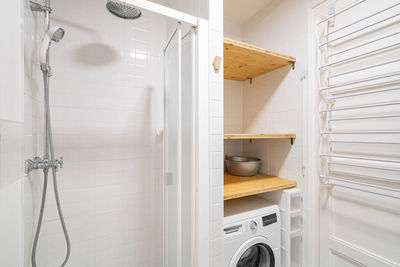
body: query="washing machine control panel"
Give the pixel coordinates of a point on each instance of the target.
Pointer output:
(269, 219)
(266, 220)
(253, 225)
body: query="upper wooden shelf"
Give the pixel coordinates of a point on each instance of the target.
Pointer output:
(244, 61)
(237, 186)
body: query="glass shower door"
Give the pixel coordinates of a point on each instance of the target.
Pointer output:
(179, 144)
(172, 147)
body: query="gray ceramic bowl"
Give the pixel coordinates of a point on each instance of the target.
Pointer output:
(242, 166)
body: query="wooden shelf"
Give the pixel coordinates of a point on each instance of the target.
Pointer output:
(244, 61)
(258, 136)
(237, 186)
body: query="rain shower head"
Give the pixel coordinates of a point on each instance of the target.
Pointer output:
(55, 34)
(122, 10)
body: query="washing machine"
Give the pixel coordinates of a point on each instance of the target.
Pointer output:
(252, 233)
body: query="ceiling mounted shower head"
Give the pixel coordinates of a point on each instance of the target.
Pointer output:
(55, 34)
(122, 10)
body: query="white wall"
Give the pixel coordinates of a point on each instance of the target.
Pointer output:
(11, 107)
(107, 111)
(233, 115)
(273, 102)
(233, 106)
(197, 8)
(233, 98)
(11, 134)
(233, 30)
(11, 172)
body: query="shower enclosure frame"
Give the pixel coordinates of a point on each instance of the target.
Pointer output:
(201, 184)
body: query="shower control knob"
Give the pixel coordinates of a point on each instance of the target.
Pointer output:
(253, 225)
(61, 162)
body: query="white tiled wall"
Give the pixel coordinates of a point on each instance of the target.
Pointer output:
(197, 8)
(233, 106)
(233, 116)
(216, 133)
(11, 134)
(273, 102)
(107, 111)
(11, 172)
(11, 106)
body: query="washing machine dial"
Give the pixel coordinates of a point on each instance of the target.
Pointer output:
(253, 225)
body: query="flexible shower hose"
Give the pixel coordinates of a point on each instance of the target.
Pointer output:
(49, 141)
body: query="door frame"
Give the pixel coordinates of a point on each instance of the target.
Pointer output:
(311, 149)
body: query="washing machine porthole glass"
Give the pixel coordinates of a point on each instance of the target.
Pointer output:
(258, 255)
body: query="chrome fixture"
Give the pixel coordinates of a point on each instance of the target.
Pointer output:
(55, 34)
(44, 164)
(122, 10)
(39, 7)
(48, 161)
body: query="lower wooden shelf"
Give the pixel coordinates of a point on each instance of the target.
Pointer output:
(237, 186)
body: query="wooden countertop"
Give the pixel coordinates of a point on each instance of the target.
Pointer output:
(237, 186)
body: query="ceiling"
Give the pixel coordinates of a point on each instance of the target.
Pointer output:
(240, 11)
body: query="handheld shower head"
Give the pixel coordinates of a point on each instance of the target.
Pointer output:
(55, 34)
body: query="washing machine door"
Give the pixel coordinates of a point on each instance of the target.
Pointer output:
(255, 252)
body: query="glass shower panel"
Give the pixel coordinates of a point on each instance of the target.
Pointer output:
(188, 147)
(172, 153)
(179, 150)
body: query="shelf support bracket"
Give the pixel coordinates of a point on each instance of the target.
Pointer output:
(291, 141)
(293, 64)
(251, 80)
